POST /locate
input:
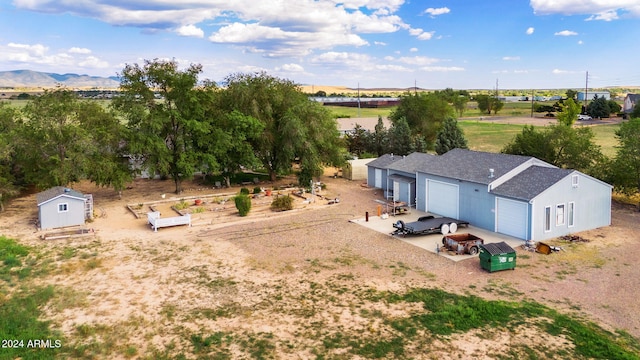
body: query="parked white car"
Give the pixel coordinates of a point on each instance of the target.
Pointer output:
(584, 117)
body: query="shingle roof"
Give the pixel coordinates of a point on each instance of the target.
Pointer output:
(531, 182)
(412, 162)
(384, 161)
(473, 166)
(56, 191)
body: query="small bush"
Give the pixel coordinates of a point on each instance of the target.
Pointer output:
(243, 204)
(181, 205)
(257, 190)
(244, 191)
(282, 203)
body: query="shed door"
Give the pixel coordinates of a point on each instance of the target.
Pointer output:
(442, 198)
(378, 178)
(511, 218)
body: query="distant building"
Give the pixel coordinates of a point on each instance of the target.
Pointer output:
(630, 101)
(590, 95)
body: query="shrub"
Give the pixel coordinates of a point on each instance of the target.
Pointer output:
(282, 203)
(243, 204)
(257, 190)
(244, 191)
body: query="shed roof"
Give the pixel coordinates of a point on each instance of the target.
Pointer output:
(412, 162)
(468, 165)
(531, 182)
(384, 161)
(56, 191)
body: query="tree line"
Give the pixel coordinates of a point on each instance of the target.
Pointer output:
(254, 121)
(168, 122)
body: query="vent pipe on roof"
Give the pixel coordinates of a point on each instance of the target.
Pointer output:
(392, 155)
(491, 174)
(67, 190)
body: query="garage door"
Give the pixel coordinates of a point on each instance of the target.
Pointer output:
(512, 218)
(442, 198)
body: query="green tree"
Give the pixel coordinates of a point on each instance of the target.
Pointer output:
(9, 118)
(614, 107)
(450, 137)
(294, 126)
(164, 113)
(379, 141)
(64, 140)
(460, 103)
(598, 108)
(625, 172)
(530, 142)
(400, 138)
(487, 103)
(357, 141)
(570, 111)
(571, 94)
(635, 113)
(560, 145)
(424, 113)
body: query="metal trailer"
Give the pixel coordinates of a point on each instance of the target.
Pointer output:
(462, 243)
(428, 225)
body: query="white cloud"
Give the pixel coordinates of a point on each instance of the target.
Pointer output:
(34, 50)
(421, 34)
(562, 72)
(605, 16)
(441, 68)
(606, 10)
(418, 60)
(77, 50)
(413, 49)
(580, 42)
(272, 28)
(530, 30)
(93, 63)
(190, 30)
(511, 58)
(291, 68)
(380, 43)
(566, 33)
(439, 11)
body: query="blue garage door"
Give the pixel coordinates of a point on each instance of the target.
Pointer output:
(511, 218)
(442, 198)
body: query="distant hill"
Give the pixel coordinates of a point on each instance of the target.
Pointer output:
(35, 79)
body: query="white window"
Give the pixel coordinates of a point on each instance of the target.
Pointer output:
(559, 214)
(547, 218)
(574, 181)
(63, 207)
(571, 216)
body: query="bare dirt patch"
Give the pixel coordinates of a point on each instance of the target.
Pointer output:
(274, 282)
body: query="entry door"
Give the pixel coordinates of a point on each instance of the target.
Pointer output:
(378, 178)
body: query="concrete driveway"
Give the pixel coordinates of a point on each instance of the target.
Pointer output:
(433, 242)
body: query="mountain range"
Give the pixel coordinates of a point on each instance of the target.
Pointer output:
(36, 79)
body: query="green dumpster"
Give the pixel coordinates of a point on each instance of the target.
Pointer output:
(497, 256)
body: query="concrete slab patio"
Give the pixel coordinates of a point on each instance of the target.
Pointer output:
(433, 242)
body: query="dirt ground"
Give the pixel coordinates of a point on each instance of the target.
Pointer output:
(151, 289)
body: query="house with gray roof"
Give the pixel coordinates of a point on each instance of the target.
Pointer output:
(630, 101)
(62, 207)
(377, 171)
(520, 196)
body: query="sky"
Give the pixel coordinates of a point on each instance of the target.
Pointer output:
(459, 44)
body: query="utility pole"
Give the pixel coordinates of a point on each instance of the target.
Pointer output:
(586, 90)
(358, 99)
(532, 97)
